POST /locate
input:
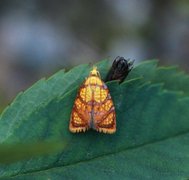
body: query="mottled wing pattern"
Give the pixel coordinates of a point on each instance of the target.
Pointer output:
(81, 112)
(93, 107)
(104, 117)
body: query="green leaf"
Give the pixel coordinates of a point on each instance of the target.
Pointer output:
(150, 117)
(148, 161)
(17, 152)
(172, 78)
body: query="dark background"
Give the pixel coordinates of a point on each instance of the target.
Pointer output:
(39, 37)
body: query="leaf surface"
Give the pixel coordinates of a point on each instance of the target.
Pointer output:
(150, 116)
(148, 161)
(172, 78)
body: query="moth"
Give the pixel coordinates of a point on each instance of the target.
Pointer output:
(120, 69)
(93, 106)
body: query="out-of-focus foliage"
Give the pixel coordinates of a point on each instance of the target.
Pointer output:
(40, 37)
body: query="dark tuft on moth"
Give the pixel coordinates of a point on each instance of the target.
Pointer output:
(120, 69)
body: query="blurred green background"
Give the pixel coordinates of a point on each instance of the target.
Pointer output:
(39, 37)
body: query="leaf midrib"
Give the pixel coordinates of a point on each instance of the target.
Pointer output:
(103, 155)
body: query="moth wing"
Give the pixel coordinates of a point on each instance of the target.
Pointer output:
(104, 116)
(81, 112)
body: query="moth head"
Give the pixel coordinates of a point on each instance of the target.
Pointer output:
(94, 72)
